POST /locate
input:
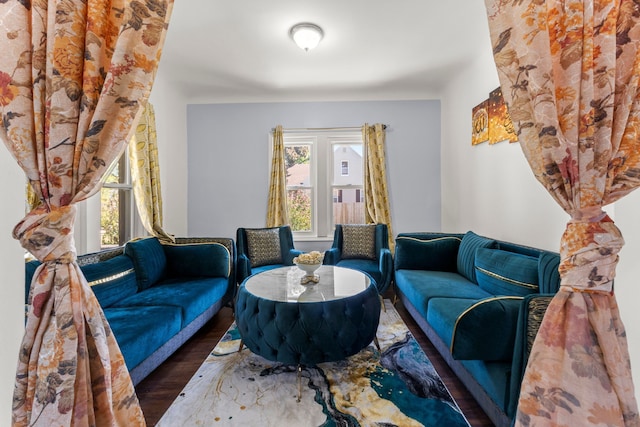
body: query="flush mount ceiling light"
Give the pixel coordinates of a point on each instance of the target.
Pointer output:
(306, 35)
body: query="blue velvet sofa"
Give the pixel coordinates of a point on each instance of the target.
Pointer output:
(156, 296)
(480, 302)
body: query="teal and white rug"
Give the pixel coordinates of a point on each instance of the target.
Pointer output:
(395, 387)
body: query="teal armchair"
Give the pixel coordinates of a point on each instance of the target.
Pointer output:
(261, 249)
(365, 248)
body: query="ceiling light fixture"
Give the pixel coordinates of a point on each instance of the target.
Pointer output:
(306, 35)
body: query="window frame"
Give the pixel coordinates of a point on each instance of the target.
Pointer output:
(322, 171)
(130, 224)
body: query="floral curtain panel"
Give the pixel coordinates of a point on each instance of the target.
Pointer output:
(145, 174)
(277, 205)
(570, 73)
(74, 76)
(376, 191)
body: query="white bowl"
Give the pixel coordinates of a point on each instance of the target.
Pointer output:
(309, 269)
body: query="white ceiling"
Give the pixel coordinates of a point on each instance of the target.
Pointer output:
(240, 50)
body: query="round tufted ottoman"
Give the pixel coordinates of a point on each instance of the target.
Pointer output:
(284, 321)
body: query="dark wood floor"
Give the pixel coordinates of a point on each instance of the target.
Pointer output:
(161, 387)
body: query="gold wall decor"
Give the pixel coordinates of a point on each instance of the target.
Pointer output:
(500, 125)
(480, 123)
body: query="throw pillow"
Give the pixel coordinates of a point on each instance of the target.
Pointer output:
(435, 254)
(506, 273)
(149, 260)
(467, 253)
(264, 246)
(358, 241)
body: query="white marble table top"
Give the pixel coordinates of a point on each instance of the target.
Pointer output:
(283, 284)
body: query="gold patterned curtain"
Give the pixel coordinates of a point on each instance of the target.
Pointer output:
(74, 76)
(145, 174)
(570, 73)
(376, 194)
(277, 206)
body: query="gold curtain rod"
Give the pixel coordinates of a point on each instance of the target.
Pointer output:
(322, 129)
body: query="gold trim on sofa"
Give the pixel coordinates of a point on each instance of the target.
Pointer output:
(110, 278)
(428, 239)
(455, 327)
(507, 279)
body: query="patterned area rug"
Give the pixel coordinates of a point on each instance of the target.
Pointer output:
(395, 387)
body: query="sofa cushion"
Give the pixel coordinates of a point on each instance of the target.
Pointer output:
(476, 329)
(467, 253)
(506, 273)
(419, 286)
(140, 331)
(149, 260)
(438, 254)
(359, 241)
(366, 266)
(198, 260)
(111, 280)
(263, 246)
(192, 296)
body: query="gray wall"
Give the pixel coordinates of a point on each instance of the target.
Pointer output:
(228, 158)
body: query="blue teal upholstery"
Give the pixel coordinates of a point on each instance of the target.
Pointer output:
(142, 330)
(307, 333)
(156, 296)
(111, 280)
(149, 261)
(287, 253)
(471, 300)
(380, 268)
(506, 273)
(467, 253)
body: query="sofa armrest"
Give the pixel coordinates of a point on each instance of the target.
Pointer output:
(427, 251)
(290, 255)
(487, 330)
(331, 256)
(198, 260)
(243, 268)
(385, 266)
(529, 320)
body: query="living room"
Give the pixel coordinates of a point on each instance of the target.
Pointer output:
(438, 181)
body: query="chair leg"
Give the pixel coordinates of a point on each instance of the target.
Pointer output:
(299, 383)
(241, 346)
(377, 343)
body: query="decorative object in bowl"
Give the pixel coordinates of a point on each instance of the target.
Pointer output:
(309, 263)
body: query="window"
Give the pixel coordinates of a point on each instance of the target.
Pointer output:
(345, 168)
(117, 205)
(325, 181)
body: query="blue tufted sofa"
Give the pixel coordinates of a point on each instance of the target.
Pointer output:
(156, 296)
(480, 302)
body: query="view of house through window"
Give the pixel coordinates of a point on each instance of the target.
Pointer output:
(325, 183)
(117, 206)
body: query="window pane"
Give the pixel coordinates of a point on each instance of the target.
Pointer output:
(347, 164)
(115, 176)
(299, 206)
(298, 165)
(109, 217)
(348, 206)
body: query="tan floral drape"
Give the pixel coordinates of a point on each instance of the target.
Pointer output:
(145, 174)
(570, 73)
(277, 205)
(74, 76)
(376, 194)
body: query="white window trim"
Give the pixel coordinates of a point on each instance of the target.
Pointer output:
(322, 142)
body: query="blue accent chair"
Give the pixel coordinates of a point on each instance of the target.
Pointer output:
(261, 249)
(376, 260)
